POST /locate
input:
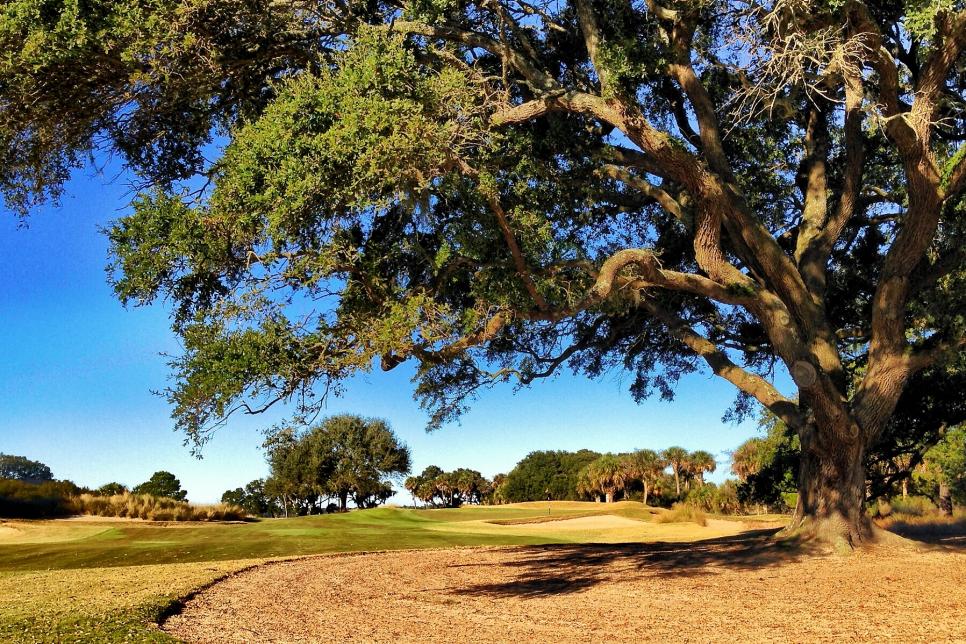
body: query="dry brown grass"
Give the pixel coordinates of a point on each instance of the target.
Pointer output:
(152, 508)
(682, 513)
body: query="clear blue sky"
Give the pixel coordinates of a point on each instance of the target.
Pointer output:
(77, 372)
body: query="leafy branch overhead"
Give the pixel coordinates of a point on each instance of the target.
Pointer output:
(499, 189)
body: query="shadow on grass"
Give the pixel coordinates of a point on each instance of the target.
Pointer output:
(570, 568)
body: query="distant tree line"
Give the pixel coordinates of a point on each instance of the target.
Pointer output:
(28, 490)
(586, 474)
(449, 489)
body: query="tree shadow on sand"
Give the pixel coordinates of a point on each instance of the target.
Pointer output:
(569, 568)
(950, 533)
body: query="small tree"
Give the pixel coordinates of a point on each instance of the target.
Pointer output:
(111, 489)
(233, 497)
(163, 484)
(21, 468)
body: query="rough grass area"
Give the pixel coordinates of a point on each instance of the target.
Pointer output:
(98, 604)
(90, 579)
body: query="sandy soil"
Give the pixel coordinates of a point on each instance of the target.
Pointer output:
(739, 588)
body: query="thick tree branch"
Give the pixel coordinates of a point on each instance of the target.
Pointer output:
(722, 366)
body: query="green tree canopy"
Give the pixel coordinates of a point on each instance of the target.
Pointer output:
(544, 473)
(23, 469)
(162, 483)
(343, 457)
(942, 474)
(646, 467)
(767, 467)
(499, 190)
(604, 476)
(111, 489)
(253, 499)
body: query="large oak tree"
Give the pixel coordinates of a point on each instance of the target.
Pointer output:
(497, 189)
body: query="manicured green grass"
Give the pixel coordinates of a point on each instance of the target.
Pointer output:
(109, 581)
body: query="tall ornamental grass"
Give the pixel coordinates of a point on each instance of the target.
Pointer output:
(153, 508)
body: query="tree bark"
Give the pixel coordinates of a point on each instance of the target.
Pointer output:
(905, 487)
(610, 497)
(645, 492)
(343, 501)
(945, 500)
(831, 489)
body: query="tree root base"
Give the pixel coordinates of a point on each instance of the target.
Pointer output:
(837, 536)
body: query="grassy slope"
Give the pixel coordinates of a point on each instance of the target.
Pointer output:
(104, 581)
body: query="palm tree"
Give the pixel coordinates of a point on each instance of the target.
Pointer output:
(747, 459)
(412, 486)
(677, 459)
(644, 465)
(586, 485)
(608, 475)
(700, 462)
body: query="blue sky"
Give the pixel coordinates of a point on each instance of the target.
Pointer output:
(78, 369)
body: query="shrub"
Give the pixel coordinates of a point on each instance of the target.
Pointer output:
(790, 499)
(682, 513)
(716, 499)
(912, 505)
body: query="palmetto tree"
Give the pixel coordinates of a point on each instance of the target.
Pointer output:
(677, 459)
(644, 465)
(747, 459)
(700, 462)
(608, 475)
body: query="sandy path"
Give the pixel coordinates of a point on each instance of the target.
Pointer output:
(729, 589)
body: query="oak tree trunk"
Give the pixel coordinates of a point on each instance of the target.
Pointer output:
(831, 490)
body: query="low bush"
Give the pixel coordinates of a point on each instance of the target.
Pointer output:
(911, 505)
(682, 513)
(716, 499)
(153, 508)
